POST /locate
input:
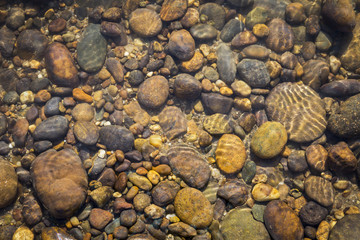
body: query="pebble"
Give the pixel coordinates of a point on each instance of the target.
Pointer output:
(53, 128)
(339, 14)
(182, 229)
(154, 212)
(190, 18)
(258, 15)
(11, 98)
(83, 112)
(316, 73)
(297, 161)
(256, 51)
(320, 190)
(8, 183)
(15, 18)
(194, 64)
(203, 32)
(153, 92)
(226, 64)
(263, 192)
(139, 115)
(323, 41)
(27, 97)
(125, 139)
(58, 25)
(295, 13)
(312, 213)
(7, 41)
(141, 201)
(116, 69)
(341, 230)
(128, 217)
(235, 191)
(140, 181)
(216, 103)
(23, 233)
(4, 148)
(281, 37)
(215, 13)
(173, 122)
(254, 73)
(243, 39)
(173, 9)
(339, 88)
(55, 233)
(231, 28)
(186, 87)
(51, 107)
(182, 45)
(86, 132)
(141, 15)
(341, 159)
(20, 131)
(101, 196)
(99, 218)
(217, 124)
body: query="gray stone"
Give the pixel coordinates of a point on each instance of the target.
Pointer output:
(347, 228)
(216, 103)
(254, 72)
(53, 128)
(7, 41)
(203, 32)
(226, 64)
(52, 106)
(124, 138)
(231, 28)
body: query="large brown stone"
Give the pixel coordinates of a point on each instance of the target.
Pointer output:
(139, 17)
(173, 122)
(281, 37)
(173, 9)
(8, 183)
(341, 158)
(153, 92)
(60, 181)
(182, 45)
(339, 14)
(31, 44)
(320, 190)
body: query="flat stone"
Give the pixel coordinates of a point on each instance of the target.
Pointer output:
(217, 124)
(216, 103)
(231, 28)
(53, 128)
(139, 115)
(125, 139)
(320, 190)
(173, 9)
(316, 73)
(153, 92)
(153, 24)
(173, 122)
(86, 132)
(254, 72)
(8, 183)
(341, 159)
(226, 64)
(140, 181)
(99, 218)
(203, 32)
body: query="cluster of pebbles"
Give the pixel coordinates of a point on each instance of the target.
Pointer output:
(179, 119)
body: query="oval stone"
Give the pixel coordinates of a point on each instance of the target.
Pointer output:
(8, 183)
(217, 124)
(124, 138)
(53, 128)
(320, 190)
(173, 122)
(187, 87)
(153, 22)
(226, 64)
(254, 72)
(31, 44)
(173, 9)
(215, 13)
(281, 37)
(182, 45)
(86, 132)
(203, 32)
(153, 92)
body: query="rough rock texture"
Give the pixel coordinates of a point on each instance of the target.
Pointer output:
(320, 190)
(8, 183)
(346, 228)
(153, 92)
(173, 122)
(124, 138)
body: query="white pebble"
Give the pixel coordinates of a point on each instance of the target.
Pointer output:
(149, 74)
(102, 153)
(107, 123)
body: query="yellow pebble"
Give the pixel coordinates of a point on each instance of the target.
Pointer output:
(74, 221)
(155, 140)
(68, 225)
(153, 176)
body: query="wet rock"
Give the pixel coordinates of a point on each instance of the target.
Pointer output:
(91, 50)
(323, 41)
(217, 124)
(173, 122)
(263, 192)
(320, 190)
(312, 213)
(240, 224)
(231, 28)
(53, 128)
(297, 161)
(282, 222)
(182, 229)
(141, 15)
(60, 66)
(203, 32)
(99, 218)
(153, 92)
(115, 68)
(187, 163)
(120, 232)
(83, 112)
(295, 13)
(125, 139)
(346, 228)
(194, 64)
(341, 159)
(141, 201)
(316, 156)
(287, 100)
(351, 52)
(136, 77)
(187, 87)
(256, 51)
(86, 132)
(15, 18)
(11, 98)
(55, 233)
(257, 15)
(8, 183)
(281, 37)
(173, 9)
(230, 154)
(20, 132)
(346, 122)
(139, 115)
(57, 25)
(154, 212)
(241, 3)
(23, 232)
(7, 231)
(190, 18)
(140, 181)
(101, 196)
(51, 107)
(269, 140)
(4, 148)
(243, 39)
(253, 72)
(215, 13)
(111, 29)
(193, 208)
(226, 64)
(60, 181)
(182, 45)
(275, 8)
(128, 217)
(31, 211)
(339, 14)
(8, 79)
(234, 191)
(341, 88)
(316, 73)
(216, 103)
(7, 41)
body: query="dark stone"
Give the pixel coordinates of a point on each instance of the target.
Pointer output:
(254, 73)
(136, 77)
(341, 88)
(125, 139)
(203, 32)
(42, 146)
(234, 191)
(15, 18)
(216, 103)
(215, 13)
(57, 25)
(7, 41)
(52, 106)
(4, 148)
(226, 64)
(81, 12)
(32, 113)
(3, 124)
(23, 85)
(53, 128)
(31, 44)
(346, 228)
(231, 28)
(312, 213)
(128, 218)
(115, 68)
(38, 84)
(297, 161)
(8, 79)
(11, 97)
(31, 211)
(164, 193)
(187, 87)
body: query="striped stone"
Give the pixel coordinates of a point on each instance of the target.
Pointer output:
(319, 190)
(281, 37)
(299, 108)
(316, 73)
(173, 122)
(217, 124)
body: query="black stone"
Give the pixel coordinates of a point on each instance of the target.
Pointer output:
(38, 84)
(81, 12)
(312, 213)
(231, 28)
(7, 41)
(347, 228)
(124, 138)
(4, 148)
(136, 77)
(42, 146)
(23, 85)
(52, 129)
(216, 103)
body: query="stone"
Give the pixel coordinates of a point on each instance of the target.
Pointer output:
(346, 121)
(51, 107)
(8, 79)
(101, 195)
(153, 24)
(55, 233)
(187, 87)
(281, 37)
(319, 190)
(187, 163)
(120, 232)
(139, 115)
(275, 8)
(15, 18)
(341, 159)
(60, 66)
(203, 32)
(194, 64)
(8, 183)
(11, 98)
(173, 122)
(260, 30)
(136, 77)
(323, 41)
(351, 53)
(20, 131)
(86, 132)
(263, 192)
(257, 52)
(253, 72)
(226, 64)
(241, 88)
(91, 49)
(231, 28)
(112, 14)
(239, 224)
(269, 140)
(312, 213)
(181, 45)
(173, 9)
(241, 3)
(193, 208)
(217, 124)
(182, 229)
(4, 148)
(7, 41)
(57, 25)
(153, 92)
(190, 18)
(99, 218)
(60, 181)
(316, 156)
(282, 222)
(128, 218)
(112, 29)
(295, 13)
(316, 73)
(140, 181)
(243, 39)
(341, 88)
(53, 128)
(257, 15)
(141, 201)
(297, 161)
(339, 14)
(116, 69)
(124, 138)
(346, 228)
(230, 154)
(83, 112)
(215, 13)
(23, 232)
(216, 103)
(235, 191)
(287, 100)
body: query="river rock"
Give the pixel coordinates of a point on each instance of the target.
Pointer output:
(275, 8)
(164, 193)
(216, 103)
(297, 161)
(8, 183)
(317, 156)
(341, 88)
(231, 28)
(153, 22)
(243, 39)
(181, 45)
(60, 65)
(173, 9)
(312, 213)
(253, 72)
(215, 13)
(339, 14)
(341, 158)
(316, 73)
(20, 132)
(86, 132)
(281, 37)
(15, 18)
(295, 13)
(239, 224)
(287, 100)
(351, 53)
(187, 163)
(124, 138)
(257, 15)
(53, 128)
(83, 112)
(7, 41)
(116, 69)
(203, 32)
(320, 190)
(193, 208)
(190, 18)
(91, 50)
(57, 25)
(257, 52)
(241, 3)
(282, 222)
(263, 192)
(173, 122)
(139, 115)
(226, 64)
(153, 92)
(187, 87)
(235, 191)
(31, 211)
(31, 44)
(60, 181)
(55, 233)
(217, 124)
(346, 228)
(99, 218)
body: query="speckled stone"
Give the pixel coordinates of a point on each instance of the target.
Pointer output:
(141, 15)
(181, 45)
(217, 124)
(253, 72)
(187, 87)
(281, 37)
(53, 128)
(346, 228)
(153, 92)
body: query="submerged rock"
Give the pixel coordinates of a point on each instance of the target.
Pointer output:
(8, 183)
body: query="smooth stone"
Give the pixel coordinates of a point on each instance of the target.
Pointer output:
(254, 72)
(256, 51)
(203, 32)
(215, 13)
(173, 9)
(248, 171)
(139, 115)
(341, 88)
(110, 228)
(320, 190)
(153, 92)
(125, 139)
(239, 224)
(11, 97)
(226, 64)
(312, 213)
(141, 201)
(323, 41)
(339, 14)
(263, 192)
(269, 140)
(140, 181)
(20, 131)
(39, 84)
(31, 44)
(231, 28)
(173, 122)
(116, 69)
(57, 25)
(8, 79)
(153, 21)
(211, 74)
(83, 112)
(258, 212)
(241, 3)
(281, 37)
(316, 73)
(243, 39)
(4, 148)
(7, 41)
(350, 55)
(86, 132)
(216, 103)
(111, 29)
(317, 156)
(190, 18)
(341, 159)
(193, 208)
(91, 50)
(295, 13)
(128, 218)
(42, 146)
(346, 228)
(182, 229)
(99, 218)
(101, 196)
(217, 124)
(55, 233)
(181, 45)
(297, 161)
(257, 15)
(275, 8)
(8, 183)
(60, 181)
(187, 87)
(15, 18)
(23, 233)
(31, 211)
(235, 191)
(52, 106)
(53, 128)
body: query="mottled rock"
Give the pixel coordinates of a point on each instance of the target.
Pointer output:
(217, 124)
(140, 181)
(128, 217)
(243, 39)
(99, 218)
(7, 41)
(316, 73)
(55, 233)
(153, 22)
(351, 53)
(153, 92)
(235, 191)
(83, 112)
(164, 193)
(263, 192)
(203, 32)
(173, 9)
(346, 228)
(231, 28)
(173, 122)
(20, 132)
(339, 14)
(53, 128)
(341, 88)
(31, 211)
(215, 13)
(281, 37)
(23, 232)
(226, 64)
(86, 132)
(320, 190)
(182, 229)
(8, 183)
(190, 18)
(257, 15)
(253, 72)
(125, 139)
(181, 45)
(341, 159)
(187, 87)
(139, 115)
(15, 18)
(316, 156)
(216, 103)
(312, 213)
(297, 161)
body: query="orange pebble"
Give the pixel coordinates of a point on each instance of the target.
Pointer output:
(80, 95)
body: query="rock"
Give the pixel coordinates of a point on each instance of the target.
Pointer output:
(7, 41)
(234, 191)
(320, 190)
(193, 208)
(99, 218)
(187, 163)
(231, 29)
(4, 148)
(60, 181)
(115, 68)
(15, 18)
(23, 232)
(312, 213)
(297, 161)
(263, 192)
(323, 41)
(20, 132)
(8, 183)
(187, 87)
(341, 88)
(295, 13)
(136, 77)
(253, 72)
(241, 3)
(226, 64)
(112, 14)
(346, 228)
(194, 64)
(7, 231)
(31, 211)
(91, 50)
(125, 139)
(275, 8)
(281, 37)
(83, 112)
(8, 79)
(216, 103)
(287, 100)
(53, 128)
(269, 140)
(239, 224)
(248, 172)
(128, 218)
(282, 222)
(153, 24)
(31, 44)
(173, 122)
(316, 73)
(230, 154)
(215, 13)
(257, 52)
(241, 88)
(120, 232)
(341, 159)
(55, 233)
(86, 132)
(346, 122)
(257, 15)
(181, 45)
(243, 39)
(339, 14)
(316, 156)
(182, 229)
(140, 181)
(139, 115)
(203, 32)
(57, 25)
(51, 107)
(164, 193)
(101, 195)
(60, 66)
(11, 98)
(217, 124)
(153, 92)
(141, 201)
(112, 29)
(351, 53)
(173, 9)
(210, 73)
(190, 18)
